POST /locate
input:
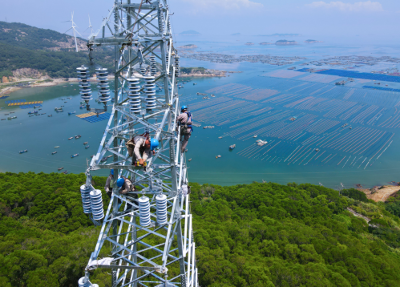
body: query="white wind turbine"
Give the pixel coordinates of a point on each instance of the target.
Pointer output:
(90, 26)
(73, 27)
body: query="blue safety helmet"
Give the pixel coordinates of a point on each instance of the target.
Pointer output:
(183, 108)
(120, 182)
(154, 143)
(112, 172)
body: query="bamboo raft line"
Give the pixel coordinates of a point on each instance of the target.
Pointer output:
(291, 153)
(301, 155)
(320, 155)
(311, 158)
(373, 141)
(342, 160)
(353, 160)
(244, 151)
(365, 138)
(346, 162)
(357, 160)
(384, 150)
(312, 150)
(382, 146)
(326, 157)
(362, 162)
(295, 154)
(330, 159)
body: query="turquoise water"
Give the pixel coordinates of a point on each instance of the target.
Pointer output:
(40, 134)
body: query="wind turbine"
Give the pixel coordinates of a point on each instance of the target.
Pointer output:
(90, 26)
(73, 27)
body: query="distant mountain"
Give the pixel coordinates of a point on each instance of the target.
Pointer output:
(312, 41)
(190, 32)
(281, 35)
(236, 34)
(27, 51)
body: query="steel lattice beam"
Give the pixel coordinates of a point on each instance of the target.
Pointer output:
(153, 255)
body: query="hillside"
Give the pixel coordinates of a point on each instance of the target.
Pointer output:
(261, 234)
(47, 52)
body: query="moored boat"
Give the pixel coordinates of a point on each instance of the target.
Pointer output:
(70, 138)
(54, 152)
(85, 143)
(60, 168)
(231, 147)
(74, 155)
(86, 147)
(23, 151)
(78, 136)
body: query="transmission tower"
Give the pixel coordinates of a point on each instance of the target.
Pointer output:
(151, 238)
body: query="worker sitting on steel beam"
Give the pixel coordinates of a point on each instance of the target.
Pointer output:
(125, 185)
(184, 121)
(143, 148)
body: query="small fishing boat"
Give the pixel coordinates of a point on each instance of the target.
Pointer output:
(43, 114)
(254, 136)
(56, 146)
(70, 138)
(317, 149)
(72, 113)
(78, 136)
(190, 159)
(54, 152)
(218, 156)
(220, 137)
(65, 172)
(49, 116)
(60, 168)
(231, 147)
(85, 143)
(74, 155)
(86, 147)
(23, 151)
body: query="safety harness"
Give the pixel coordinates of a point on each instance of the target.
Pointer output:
(188, 125)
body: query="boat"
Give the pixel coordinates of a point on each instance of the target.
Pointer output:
(85, 143)
(43, 114)
(72, 113)
(86, 147)
(65, 172)
(70, 138)
(60, 168)
(23, 151)
(189, 159)
(317, 149)
(74, 155)
(54, 152)
(220, 137)
(231, 147)
(218, 156)
(254, 136)
(78, 136)
(49, 116)
(56, 146)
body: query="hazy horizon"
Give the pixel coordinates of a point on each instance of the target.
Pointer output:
(364, 21)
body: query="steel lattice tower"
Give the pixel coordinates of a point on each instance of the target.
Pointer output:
(156, 254)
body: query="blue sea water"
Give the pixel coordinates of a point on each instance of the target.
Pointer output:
(40, 134)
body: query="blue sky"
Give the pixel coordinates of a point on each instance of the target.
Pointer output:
(347, 18)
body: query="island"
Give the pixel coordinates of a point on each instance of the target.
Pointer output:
(201, 72)
(187, 47)
(285, 43)
(236, 34)
(312, 41)
(266, 43)
(190, 32)
(249, 43)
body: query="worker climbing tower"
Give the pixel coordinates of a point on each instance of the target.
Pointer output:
(146, 236)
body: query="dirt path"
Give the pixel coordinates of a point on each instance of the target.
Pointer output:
(381, 194)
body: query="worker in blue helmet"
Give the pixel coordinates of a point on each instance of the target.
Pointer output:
(143, 149)
(125, 185)
(109, 183)
(184, 122)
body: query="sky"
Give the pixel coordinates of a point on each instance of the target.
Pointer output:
(378, 19)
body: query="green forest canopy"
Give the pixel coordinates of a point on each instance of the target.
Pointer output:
(261, 234)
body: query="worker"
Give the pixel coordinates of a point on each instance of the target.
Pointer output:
(125, 185)
(109, 183)
(184, 121)
(143, 150)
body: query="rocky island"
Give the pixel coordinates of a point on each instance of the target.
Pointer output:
(201, 72)
(312, 41)
(187, 47)
(285, 43)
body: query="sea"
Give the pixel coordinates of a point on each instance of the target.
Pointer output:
(313, 130)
